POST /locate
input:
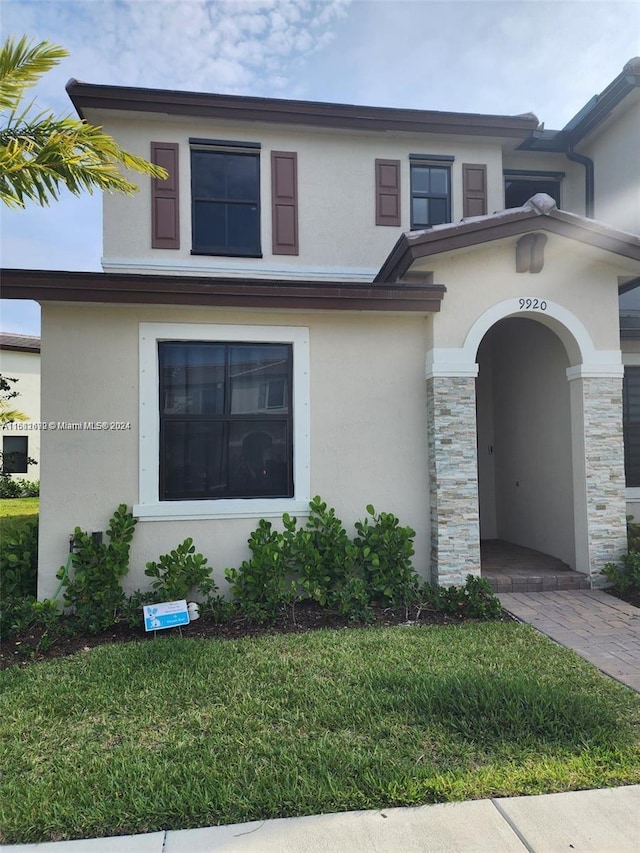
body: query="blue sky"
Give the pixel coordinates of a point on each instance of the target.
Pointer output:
(469, 56)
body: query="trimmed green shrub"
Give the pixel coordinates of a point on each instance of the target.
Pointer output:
(181, 574)
(19, 560)
(92, 588)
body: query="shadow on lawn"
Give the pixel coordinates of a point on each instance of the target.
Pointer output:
(485, 708)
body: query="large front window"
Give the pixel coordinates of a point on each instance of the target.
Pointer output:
(430, 195)
(225, 193)
(225, 420)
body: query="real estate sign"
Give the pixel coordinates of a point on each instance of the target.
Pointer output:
(168, 614)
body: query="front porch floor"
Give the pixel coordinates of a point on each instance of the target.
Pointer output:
(512, 568)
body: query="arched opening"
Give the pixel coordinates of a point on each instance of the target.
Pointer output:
(525, 471)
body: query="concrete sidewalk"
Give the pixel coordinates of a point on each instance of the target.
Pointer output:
(605, 821)
(599, 627)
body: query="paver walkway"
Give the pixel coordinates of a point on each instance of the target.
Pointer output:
(600, 628)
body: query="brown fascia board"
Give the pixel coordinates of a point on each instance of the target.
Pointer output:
(281, 111)
(484, 229)
(114, 288)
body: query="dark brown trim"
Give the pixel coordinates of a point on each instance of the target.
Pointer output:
(59, 286)
(9, 348)
(275, 110)
(509, 223)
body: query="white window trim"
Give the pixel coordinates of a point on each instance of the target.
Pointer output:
(151, 508)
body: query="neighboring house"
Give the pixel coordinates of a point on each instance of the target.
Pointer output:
(20, 360)
(321, 300)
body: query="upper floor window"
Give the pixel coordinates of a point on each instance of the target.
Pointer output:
(430, 195)
(225, 199)
(520, 186)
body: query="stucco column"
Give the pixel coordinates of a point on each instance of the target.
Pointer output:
(453, 478)
(598, 463)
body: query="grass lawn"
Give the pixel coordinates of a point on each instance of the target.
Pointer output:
(177, 733)
(15, 510)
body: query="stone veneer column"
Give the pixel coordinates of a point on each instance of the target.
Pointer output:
(453, 478)
(600, 506)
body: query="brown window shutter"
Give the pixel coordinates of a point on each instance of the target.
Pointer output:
(284, 202)
(165, 219)
(388, 192)
(474, 189)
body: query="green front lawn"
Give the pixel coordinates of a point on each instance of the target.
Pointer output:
(177, 733)
(15, 510)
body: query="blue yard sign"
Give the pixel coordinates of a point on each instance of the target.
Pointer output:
(169, 614)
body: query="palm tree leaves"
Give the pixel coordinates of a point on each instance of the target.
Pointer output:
(21, 65)
(41, 154)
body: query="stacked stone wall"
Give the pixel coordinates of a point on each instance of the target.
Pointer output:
(605, 480)
(453, 479)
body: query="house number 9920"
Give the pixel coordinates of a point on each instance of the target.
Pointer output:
(533, 304)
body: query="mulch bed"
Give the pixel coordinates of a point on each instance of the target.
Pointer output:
(308, 616)
(632, 597)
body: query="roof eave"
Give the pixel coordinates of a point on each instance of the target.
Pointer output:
(60, 286)
(410, 248)
(281, 111)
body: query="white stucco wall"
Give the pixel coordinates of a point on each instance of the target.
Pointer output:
(336, 193)
(368, 427)
(531, 438)
(25, 367)
(575, 276)
(615, 150)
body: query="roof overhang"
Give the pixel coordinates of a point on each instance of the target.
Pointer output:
(538, 214)
(60, 286)
(280, 111)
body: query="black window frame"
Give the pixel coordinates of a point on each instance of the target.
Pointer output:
(631, 425)
(227, 419)
(444, 165)
(200, 148)
(537, 180)
(15, 461)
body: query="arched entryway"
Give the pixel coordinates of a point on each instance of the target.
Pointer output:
(525, 472)
(549, 405)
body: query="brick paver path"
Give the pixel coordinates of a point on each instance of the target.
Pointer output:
(600, 628)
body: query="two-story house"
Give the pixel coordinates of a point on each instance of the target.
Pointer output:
(413, 309)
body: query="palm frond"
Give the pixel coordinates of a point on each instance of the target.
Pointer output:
(40, 154)
(38, 157)
(9, 415)
(22, 63)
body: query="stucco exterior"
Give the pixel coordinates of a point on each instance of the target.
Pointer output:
(368, 427)
(332, 166)
(615, 151)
